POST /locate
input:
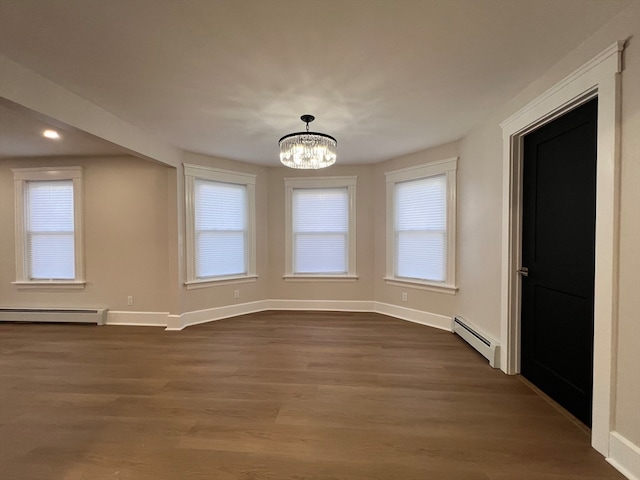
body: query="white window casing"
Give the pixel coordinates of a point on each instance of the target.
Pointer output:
(421, 226)
(220, 226)
(49, 228)
(330, 233)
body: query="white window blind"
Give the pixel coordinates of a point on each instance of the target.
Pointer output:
(421, 228)
(220, 228)
(320, 230)
(50, 231)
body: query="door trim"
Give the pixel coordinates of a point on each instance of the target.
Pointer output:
(597, 78)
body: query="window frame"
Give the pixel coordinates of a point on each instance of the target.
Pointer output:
(348, 182)
(248, 180)
(448, 167)
(21, 176)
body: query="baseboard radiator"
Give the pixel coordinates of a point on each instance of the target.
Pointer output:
(489, 348)
(58, 315)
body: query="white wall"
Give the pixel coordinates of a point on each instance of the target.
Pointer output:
(126, 236)
(480, 191)
(627, 419)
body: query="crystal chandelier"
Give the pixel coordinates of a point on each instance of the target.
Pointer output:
(308, 150)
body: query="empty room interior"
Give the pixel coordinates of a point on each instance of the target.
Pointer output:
(366, 239)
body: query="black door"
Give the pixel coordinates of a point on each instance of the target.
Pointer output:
(558, 249)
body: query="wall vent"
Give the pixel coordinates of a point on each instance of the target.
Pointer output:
(488, 347)
(59, 315)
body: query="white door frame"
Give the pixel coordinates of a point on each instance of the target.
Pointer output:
(597, 78)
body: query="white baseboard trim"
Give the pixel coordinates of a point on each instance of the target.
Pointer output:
(624, 456)
(137, 319)
(174, 322)
(212, 314)
(322, 305)
(429, 319)
(179, 322)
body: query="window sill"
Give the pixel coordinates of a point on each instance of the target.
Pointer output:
(320, 278)
(214, 282)
(420, 285)
(50, 285)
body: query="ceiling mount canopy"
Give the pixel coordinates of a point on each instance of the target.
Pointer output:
(308, 150)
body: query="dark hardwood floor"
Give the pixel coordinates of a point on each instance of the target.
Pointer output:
(275, 395)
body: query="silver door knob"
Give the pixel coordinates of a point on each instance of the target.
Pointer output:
(524, 271)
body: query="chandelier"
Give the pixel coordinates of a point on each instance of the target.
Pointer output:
(308, 150)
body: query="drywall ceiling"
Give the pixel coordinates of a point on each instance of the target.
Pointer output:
(21, 136)
(228, 78)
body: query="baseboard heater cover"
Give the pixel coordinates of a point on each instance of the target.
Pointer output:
(488, 348)
(58, 315)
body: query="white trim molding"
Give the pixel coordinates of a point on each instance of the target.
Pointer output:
(322, 305)
(137, 319)
(418, 285)
(624, 456)
(187, 319)
(319, 278)
(196, 284)
(247, 180)
(447, 167)
(598, 77)
(292, 183)
(21, 176)
(197, 317)
(427, 319)
(50, 285)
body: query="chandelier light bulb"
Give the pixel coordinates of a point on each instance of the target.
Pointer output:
(308, 150)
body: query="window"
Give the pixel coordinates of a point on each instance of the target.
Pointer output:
(220, 208)
(49, 227)
(421, 226)
(320, 228)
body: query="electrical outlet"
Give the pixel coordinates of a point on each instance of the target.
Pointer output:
(236, 294)
(130, 300)
(405, 297)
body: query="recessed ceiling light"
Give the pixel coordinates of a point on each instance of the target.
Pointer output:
(50, 134)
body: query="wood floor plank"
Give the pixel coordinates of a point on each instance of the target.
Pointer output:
(274, 396)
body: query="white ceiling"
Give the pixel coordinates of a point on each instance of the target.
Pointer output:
(229, 78)
(21, 136)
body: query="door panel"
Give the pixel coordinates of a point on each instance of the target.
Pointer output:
(558, 248)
